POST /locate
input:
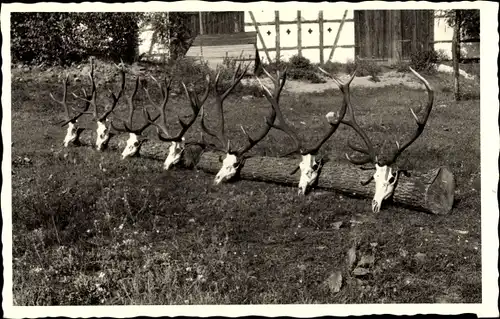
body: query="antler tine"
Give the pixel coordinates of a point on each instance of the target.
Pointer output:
(196, 105)
(274, 101)
(334, 119)
(420, 119)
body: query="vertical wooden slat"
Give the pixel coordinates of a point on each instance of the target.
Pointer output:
(431, 30)
(396, 41)
(413, 26)
(259, 35)
(367, 39)
(277, 28)
(376, 30)
(337, 37)
(299, 32)
(357, 35)
(321, 25)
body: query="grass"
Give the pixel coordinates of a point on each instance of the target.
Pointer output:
(91, 229)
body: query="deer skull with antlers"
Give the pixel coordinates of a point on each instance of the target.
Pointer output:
(73, 132)
(136, 139)
(234, 158)
(309, 166)
(385, 176)
(103, 130)
(178, 144)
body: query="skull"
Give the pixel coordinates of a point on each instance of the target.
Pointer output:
(229, 168)
(308, 172)
(385, 180)
(174, 154)
(102, 135)
(132, 147)
(71, 134)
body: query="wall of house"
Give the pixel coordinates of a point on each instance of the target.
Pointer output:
(309, 36)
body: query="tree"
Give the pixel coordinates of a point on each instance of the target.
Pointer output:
(172, 30)
(469, 22)
(66, 37)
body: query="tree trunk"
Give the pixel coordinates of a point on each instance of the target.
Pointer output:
(455, 51)
(431, 191)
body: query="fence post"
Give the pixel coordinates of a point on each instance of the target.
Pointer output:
(277, 28)
(320, 20)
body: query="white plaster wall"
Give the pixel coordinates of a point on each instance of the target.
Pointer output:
(308, 38)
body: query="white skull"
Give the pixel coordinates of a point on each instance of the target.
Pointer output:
(174, 154)
(228, 170)
(132, 146)
(385, 181)
(308, 172)
(71, 134)
(102, 135)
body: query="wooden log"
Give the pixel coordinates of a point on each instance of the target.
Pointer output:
(431, 191)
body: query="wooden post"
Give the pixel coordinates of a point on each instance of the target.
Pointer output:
(260, 36)
(299, 32)
(200, 14)
(277, 28)
(456, 55)
(337, 37)
(321, 53)
(397, 36)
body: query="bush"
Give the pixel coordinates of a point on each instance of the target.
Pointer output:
(424, 60)
(66, 37)
(364, 68)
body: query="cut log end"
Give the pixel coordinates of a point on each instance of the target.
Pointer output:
(441, 192)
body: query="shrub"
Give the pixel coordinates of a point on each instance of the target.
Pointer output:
(424, 60)
(364, 68)
(66, 37)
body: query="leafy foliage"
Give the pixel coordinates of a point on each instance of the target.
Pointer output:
(66, 37)
(424, 60)
(299, 68)
(171, 30)
(469, 22)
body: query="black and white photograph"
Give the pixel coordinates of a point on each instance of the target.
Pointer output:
(277, 159)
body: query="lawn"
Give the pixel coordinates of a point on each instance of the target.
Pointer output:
(89, 228)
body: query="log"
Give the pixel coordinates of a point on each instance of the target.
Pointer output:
(431, 191)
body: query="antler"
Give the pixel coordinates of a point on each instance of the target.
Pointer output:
(368, 151)
(63, 102)
(281, 125)
(127, 124)
(220, 96)
(92, 100)
(334, 119)
(273, 98)
(196, 104)
(420, 119)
